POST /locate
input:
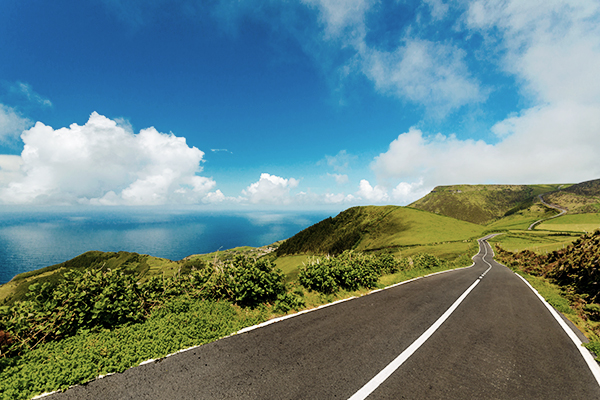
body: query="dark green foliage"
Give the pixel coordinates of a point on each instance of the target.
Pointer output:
(576, 268)
(180, 323)
(426, 261)
(254, 281)
(94, 299)
(588, 188)
(128, 263)
(349, 271)
(104, 299)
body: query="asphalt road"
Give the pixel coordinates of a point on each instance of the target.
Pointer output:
(563, 211)
(501, 342)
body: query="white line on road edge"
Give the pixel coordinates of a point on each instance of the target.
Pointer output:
(394, 365)
(587, 356)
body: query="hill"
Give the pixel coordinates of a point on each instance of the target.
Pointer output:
(581, 198)
(481, 204)
(142, 266)
(372, 228)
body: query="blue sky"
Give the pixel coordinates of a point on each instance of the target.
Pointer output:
(292, 104)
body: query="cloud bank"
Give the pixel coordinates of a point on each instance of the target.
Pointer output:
(103, 163)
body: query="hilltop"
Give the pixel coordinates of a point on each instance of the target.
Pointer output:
(481, 204)
(578, 199)
(388, 228)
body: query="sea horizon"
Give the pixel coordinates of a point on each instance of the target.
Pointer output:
(34, 238)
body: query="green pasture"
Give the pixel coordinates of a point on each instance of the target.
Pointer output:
(572, 223)
(538, 242)
(409, 227)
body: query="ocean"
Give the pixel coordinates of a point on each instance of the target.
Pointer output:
(33, 239)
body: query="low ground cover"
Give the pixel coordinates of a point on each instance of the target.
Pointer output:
(177, 315)
(572, 223)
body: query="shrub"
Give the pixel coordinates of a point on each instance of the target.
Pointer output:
(425, 260)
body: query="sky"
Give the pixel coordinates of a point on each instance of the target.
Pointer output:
(306, 104)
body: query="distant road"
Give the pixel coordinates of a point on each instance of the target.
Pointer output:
(563, 211)
(500, 342)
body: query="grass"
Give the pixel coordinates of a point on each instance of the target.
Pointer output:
(522, 219)
(180, 324)
(538, 242)
(572, 223)
(290, 265)
(553, 295)
(407, 226)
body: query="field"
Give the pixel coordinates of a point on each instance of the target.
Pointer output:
(572, 223)
(407, 227)
(538, 242)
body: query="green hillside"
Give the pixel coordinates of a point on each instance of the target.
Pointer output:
(142, 266)
(481, 204)
(581, 198)
(390, 228)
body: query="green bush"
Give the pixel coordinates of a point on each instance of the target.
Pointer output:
(425, 260)
(82, 301)
(105, 299)
(349, 271)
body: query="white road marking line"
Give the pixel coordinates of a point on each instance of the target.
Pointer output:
(587, 356)
(398, 361)
(385, 373)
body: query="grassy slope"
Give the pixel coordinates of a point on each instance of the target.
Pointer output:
(572, 223)
(538, 242)
(581, 198)
(143, 266)
(481, 204)
(391, 229)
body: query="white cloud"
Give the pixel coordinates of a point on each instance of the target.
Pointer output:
(341, 161)
(406, 192)
(438, 8)
(424, 72)
(338, 198)
(544, 144)
(11, 124)
(340, 179)
(340, 15)
(25, 90)
(270, 189)
(103, 162)
(377, 194)
(552, 46)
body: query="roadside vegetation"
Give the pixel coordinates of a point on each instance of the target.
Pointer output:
(102, 313)
(99, 321)
(569, 279)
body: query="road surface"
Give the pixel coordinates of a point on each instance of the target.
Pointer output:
(499, 342)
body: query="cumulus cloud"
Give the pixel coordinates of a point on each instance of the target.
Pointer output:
(270, 189)
(105, 163)
(544, 144)
(377, 194)
(11, 124)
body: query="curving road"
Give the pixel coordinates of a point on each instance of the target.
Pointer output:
(563, 211)
(498, 341)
